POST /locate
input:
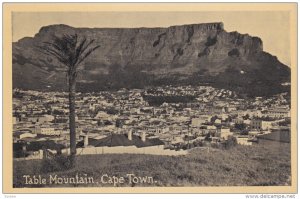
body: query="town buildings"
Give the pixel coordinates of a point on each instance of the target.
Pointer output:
(180, 117)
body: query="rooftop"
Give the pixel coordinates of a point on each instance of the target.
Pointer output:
(114, 140)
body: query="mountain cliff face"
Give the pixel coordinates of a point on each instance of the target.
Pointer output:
(139, 57)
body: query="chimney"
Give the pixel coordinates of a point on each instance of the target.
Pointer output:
(86, 140)
(143, 136)
(130, 134)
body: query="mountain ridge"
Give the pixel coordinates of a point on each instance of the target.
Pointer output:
(139, 57)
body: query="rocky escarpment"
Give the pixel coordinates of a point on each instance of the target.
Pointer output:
(138, 57)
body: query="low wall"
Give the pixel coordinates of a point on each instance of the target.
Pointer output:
(153, 150)
(243, 141)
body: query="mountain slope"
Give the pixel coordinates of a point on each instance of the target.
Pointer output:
(138, 57)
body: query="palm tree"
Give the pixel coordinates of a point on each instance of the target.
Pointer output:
(70, 51)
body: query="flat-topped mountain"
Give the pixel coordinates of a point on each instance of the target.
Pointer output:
(141, 57)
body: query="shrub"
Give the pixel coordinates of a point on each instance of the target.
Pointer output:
(58, 163)
(231, 142)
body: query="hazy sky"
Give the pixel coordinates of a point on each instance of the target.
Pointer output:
(273, 27)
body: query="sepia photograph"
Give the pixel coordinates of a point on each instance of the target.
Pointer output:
(178, 98)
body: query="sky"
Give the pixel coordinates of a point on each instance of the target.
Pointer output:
(273, 27)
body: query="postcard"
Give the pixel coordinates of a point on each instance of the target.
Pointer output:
(150, 98)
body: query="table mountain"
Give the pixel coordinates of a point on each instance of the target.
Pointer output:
(143, 57)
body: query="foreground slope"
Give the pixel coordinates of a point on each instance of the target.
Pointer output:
(256, 165)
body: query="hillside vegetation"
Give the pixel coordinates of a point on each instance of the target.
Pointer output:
(239, 166)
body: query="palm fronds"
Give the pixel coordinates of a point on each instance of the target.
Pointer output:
(69, 50)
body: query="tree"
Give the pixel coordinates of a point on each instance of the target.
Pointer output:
(70, 51)
(246, 117)
(212, 119)
(230, 142)
(240, 127)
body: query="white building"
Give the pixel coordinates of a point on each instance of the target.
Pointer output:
(47, 131)
(261, 125)
(224, 133)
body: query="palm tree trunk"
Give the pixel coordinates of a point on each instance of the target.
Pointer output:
(72, 124)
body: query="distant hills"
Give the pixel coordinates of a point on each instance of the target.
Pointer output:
(145, 57)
